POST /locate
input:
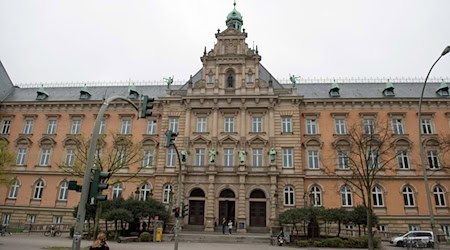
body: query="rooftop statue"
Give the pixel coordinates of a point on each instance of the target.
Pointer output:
(293, 79)
(169, 81)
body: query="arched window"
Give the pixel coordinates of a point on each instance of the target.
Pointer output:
(117, 191)
(346, 196)
(316, 196)
(38, 188)
(63, 189)
(289, 196)
(377, 197)
(439, 196)
(14, 189)
(408, 196)
(144, 192)
(167, 191)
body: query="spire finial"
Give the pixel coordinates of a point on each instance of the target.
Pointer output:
(234, 4)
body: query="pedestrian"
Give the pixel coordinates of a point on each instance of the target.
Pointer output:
(100, 243)
(230, 226)
(224, 225)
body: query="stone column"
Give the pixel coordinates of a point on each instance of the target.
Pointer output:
(242, 211)
(210, 205)
(273, 200)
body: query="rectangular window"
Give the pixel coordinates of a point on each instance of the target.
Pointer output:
(151, 127)
(6, 126)
(51, 127)
(76, 127)
(6, 218)
(288, 158)
(427, 127)
(257, 157)
(171, 157)
(257, 124)
(397, 126)
(340, 126)
(125, 128)
(173, 124)
(413, 227)
(210, 78)
(250, 78)
(228, 157)
(403, 160)
(382, 228)
(313, 159)
(201, 124)
(343, 160)
(102, 126)
(311, 126)
(147, 162)
(229, 124)
(199, 156)
(369, 126)
(57, 219)
(433, 160)
(31, 218)
(70, 157)
(286, 124)
(28, 127)
(45, 157)
(372, 160)
(21, 156)
(446, 230)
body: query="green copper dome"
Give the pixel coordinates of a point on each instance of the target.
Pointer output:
(234, 19)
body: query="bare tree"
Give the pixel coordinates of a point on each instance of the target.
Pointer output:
(362, 154)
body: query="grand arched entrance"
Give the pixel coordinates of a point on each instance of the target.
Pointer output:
(227, 204)
(196, 207)
(257, 208)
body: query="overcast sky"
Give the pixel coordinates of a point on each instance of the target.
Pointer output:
(117, 40)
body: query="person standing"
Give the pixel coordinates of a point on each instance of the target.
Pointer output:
(224, 225)
(230, 226)
(100, 243)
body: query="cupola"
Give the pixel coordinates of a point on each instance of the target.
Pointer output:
(334, 91)
(132, 92)
(41, 93)
(443, 89)
(84, 93)
(234, 19)
(389, 89)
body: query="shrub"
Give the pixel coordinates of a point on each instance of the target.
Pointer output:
(302, 243)
(145, 237)
(317, 243)
(333, 242)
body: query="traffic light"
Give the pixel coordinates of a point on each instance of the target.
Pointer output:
(73, 186)
(147, 106)
(184, 210)
(170, 138)
(176, 212)
(98, 184)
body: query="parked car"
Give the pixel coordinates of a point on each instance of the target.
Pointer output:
(424, 236)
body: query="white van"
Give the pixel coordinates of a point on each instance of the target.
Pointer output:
(425, 236)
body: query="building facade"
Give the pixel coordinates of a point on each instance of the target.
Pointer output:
(252, 146)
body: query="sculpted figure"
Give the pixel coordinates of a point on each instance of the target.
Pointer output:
(242, 156)
(169, 81)
(272, 155)
(184, 155)
(212, 155)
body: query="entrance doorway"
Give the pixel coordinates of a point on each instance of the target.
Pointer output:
(257, 208)
(197, 207)
(227, 205)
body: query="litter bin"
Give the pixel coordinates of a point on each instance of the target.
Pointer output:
(157, 231)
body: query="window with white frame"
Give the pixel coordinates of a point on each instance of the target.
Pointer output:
(346, 196)
(51, 126)
(289, 196)
(339, 124)
(6, 218)
(288, 158)
(75, 128)
(257, 157)
(63, 190)
(171, 157)
(21, 156)
(117, 191)
(102, 129)
(286, 124)
(372, 159)
(382, 228)
(6, 126)
(228, 160)
(427, 126)
(316, 196)
(57, 219)
(433, 160)
(28, 126)
(439, 196)
(397, 126)
(70, 157)
(313, 159)
(144, 192)
(311, 126)
(343, 160)
(377, 197)
(174, 124)
(369, 126)
(125, 127)
(14, 189)
(228, 124)
(257, 124)
(403, 159)
(151, 127)
(201, 124)
(45, 157)
(147, 161)
(31, 218)
(38, 188)
(408, 197)
(446, 230)
(200, 156)
(167, 191)
(413, 227)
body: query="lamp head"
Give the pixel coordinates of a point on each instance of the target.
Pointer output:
(446, 50)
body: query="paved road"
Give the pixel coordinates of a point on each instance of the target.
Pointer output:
(38, 242)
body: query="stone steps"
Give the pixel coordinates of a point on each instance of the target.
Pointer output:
(224, 238)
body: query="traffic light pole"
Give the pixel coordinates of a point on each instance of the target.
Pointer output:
(180, 186)
(81, 214)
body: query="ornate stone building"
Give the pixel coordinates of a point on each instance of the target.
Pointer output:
(255, 147)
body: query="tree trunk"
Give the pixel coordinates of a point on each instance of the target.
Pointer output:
(369, 229)
(339, 229)
(98, 212)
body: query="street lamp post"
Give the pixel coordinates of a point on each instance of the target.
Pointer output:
(422, 160)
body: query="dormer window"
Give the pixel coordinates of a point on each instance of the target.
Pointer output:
(132, 92)
(443, 89)
(334, 91)
(250, 77)
(210, 78)
(389, 89)
(84, 93)
(41, 94)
